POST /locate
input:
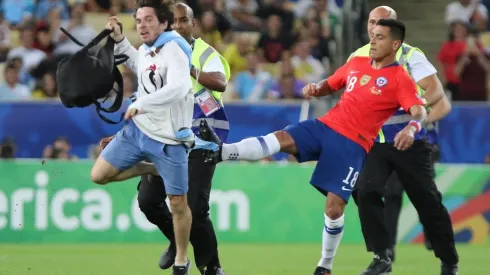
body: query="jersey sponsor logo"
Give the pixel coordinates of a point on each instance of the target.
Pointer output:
(151, 79)
(353, 72)
(381, 81)
(375, 91)
(365, 79)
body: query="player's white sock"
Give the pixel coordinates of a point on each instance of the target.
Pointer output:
(332, 234)
(251, 149)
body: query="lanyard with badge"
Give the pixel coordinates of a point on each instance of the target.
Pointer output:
(203, 97)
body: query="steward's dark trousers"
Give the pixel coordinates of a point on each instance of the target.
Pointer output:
(416, 173)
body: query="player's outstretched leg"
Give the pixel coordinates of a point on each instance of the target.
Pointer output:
(250, 149)
(332, 233)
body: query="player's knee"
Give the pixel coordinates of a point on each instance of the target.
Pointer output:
(334, 208)
(97, 177)
(102, 172)
(286, 142)
(178, 204)
(334, 212)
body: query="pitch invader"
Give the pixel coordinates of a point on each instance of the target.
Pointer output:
(375, 88)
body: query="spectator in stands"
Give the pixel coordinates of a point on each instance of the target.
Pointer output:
(54, 21)
(274, 45)
(318, 11)
(16, 12)
(279, 8)
(11, 88)
(307, 68)
(236, 54)
(5, 40)
(472, 68)
(468, 11)
(60, 149)
(45, 6)
(449, 53)
(253, 84)
(242, 14)
(46, 88)
(222, 23)
(287, 87)
(25, 77)
(44, 41)
(77, 27)
(129, 82)
(8, 148)
(319, 45)
(209, 30)
(31, 57)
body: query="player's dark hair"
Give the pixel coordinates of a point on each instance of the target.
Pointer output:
(397, 28)
(163, 10)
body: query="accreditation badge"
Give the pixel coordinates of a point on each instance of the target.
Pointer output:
(206, 102)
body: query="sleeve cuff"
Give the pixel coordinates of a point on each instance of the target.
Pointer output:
(122, 45)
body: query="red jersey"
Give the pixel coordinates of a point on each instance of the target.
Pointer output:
(370, 98)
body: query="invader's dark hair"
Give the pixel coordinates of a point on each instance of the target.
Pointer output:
(397, 28)
(163, 10)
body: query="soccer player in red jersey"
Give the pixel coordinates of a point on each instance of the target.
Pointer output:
(375, 88)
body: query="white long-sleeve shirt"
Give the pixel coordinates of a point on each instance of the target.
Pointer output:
(165, 98)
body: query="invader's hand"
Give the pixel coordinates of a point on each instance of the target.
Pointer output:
(103, 143)
(114, 24)
(130, 113)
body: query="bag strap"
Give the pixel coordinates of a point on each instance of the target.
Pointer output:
(106, 119)
(103, 34)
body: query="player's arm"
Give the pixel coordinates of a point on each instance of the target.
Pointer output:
(212, 75)
(123, 46)
(327, 86)
(177, 87)
(410, 101)
(425, 74)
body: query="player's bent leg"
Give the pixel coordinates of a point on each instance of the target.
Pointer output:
(121, 158)
(103, 172)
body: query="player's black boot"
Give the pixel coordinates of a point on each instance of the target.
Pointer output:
(378, 267)
(207, 133)
(168, 257)
(322, 271)
(449, 269)
(182, 270)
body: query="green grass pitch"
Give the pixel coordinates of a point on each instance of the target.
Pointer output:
(237, 259)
